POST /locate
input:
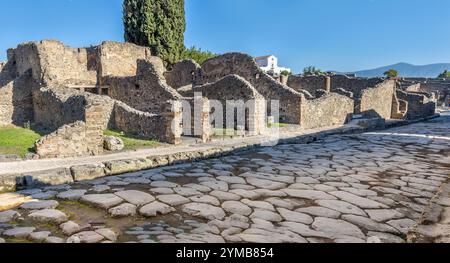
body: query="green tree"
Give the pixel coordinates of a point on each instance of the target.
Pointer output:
(197, 54)
(445, 74)
(286, 73)
(392, 73)
(312, 70)
(158, 24)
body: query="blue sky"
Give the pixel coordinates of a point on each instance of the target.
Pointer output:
(342, 35)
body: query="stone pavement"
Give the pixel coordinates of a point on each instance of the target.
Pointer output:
(373, 187)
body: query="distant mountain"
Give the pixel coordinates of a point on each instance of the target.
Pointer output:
(407, 70)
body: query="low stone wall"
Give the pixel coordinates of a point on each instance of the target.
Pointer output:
(245, 66)
(309, 83)
(376, 102)
(165, 127)
(419, 106)
(183, 73)
(148, 91)
(68, 141)
(329, 110)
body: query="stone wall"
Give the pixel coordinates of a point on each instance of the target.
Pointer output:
(354, 85)
(16, 105)
(148, 91)
(118, 59)
(309, 83)
(51, 62)
(183, 73)
(58, 106)
(165, 127)
(67, 141)
(245, 66)
(376, 102)
(233, 92)
(329, 110)
(419, 106)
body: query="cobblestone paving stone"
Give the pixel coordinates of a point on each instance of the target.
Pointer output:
(373, 187)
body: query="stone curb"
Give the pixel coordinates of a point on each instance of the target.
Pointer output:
(13, 182)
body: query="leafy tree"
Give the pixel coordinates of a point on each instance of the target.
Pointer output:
(312, 70)
(445, 74)
(158, 24)
(285, 73)
(197, 54)
(392, 73)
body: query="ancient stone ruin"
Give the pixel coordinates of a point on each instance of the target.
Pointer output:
(74, 94)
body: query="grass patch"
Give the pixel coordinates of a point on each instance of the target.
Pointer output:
(223, 132)
(17, 140)
(279, 125)
(132, 142)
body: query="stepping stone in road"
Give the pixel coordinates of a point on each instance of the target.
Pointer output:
(134, 197)
(71, 195)
(50, 204)
(49, 216)
(19, 232)
(39, 236)
(104, 201)
(8, 216)
(123, 210)
(89, 237)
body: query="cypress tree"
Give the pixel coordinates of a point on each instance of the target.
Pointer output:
(158, 24)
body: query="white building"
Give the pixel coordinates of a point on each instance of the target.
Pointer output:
(269, 64)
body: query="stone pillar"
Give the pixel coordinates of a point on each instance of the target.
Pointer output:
(256, 121)
(327, 86)
(201, 122)
(173, 120)
(94, 128)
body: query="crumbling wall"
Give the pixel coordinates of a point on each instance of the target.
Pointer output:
(329, 110)
(183, 73)
(419, 106)
(58, 106)
(67, 141)
(376, 102)
(245, 66)
(399, 108)
(148, 91)
(51, 62)
(16, 105)
(309, 83)
(165, 127)
(233, 92)
(118, 59)
(354, 85)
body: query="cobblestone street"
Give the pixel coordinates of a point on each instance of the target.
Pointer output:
(374, 187)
